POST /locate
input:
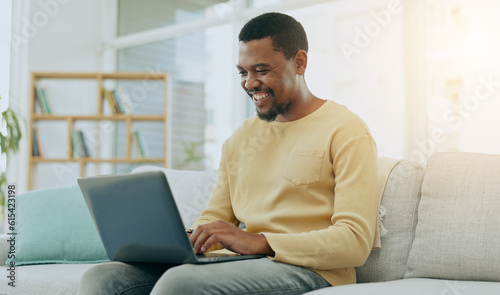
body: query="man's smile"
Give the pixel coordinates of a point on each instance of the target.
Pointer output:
(260, 98)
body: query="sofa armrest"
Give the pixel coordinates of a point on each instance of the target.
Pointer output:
(4, 248)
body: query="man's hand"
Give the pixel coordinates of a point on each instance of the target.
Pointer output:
(230, 237)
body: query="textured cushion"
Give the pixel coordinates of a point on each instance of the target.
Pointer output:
(55, 226)
(400, 201)
(458, 230)
(415, 287)
(191, 190)
(48, 279)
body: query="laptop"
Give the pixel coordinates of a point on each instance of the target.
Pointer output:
(138, 220)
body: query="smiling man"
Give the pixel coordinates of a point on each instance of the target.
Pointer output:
(273, 75)
(301, 176)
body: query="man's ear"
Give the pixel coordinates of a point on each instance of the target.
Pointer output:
(300, 60)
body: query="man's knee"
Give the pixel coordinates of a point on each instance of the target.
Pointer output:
(185, 279)
(120, 278)
(96, 279)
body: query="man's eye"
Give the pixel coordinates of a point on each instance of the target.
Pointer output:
(261, 71)
(242, 73)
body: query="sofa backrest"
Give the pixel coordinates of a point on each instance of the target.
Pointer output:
(458, 231)
(191, 190)
(400, 201)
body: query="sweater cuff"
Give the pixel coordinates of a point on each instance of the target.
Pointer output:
(269, 237)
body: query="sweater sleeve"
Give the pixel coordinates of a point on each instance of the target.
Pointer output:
(348, 241)
(219, 206)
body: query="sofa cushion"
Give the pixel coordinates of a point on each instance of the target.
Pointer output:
(400, 201)
(458, 230)
(55, 226)
(47, 279)
(191, 190)
(414, 287)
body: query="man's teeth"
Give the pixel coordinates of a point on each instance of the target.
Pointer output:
(258, 97)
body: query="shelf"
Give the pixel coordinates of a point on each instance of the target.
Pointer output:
(99, 117)
(91, 160)
(74, 132)
(92, 76)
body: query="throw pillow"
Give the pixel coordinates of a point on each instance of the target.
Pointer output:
(458, 230)
(55, 226)
(400, 199)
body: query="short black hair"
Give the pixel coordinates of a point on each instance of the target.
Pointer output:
(287, 34)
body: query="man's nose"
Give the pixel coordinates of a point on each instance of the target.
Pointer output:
(252, 82)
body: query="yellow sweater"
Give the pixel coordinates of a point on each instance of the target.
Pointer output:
(310, 186)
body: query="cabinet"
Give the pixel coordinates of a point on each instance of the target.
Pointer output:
(64, 121)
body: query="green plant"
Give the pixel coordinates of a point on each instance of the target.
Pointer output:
(194, 156)
(10, 136)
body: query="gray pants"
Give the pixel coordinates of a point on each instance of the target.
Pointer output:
(256, 276)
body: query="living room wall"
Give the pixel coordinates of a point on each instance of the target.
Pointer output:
(51, 36)
(368, 55)
(69, 36)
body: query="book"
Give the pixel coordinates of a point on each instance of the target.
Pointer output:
(125, 98)
(38, 100)
(36, 143)
(113, 104)
(85, 148)
(121, 102)
(46, 101)
(80, 148)
(143, 152)
(75, 140)
(42, 99)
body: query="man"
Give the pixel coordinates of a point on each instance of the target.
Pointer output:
(301, 176)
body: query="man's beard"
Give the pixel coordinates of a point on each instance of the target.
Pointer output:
(275, 110)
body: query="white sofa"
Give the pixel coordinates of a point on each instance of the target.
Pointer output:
(441, 225)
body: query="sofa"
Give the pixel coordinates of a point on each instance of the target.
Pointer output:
(439, 231)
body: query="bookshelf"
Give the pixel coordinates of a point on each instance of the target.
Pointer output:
(102, 113)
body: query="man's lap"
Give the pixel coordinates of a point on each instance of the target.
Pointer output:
(256, 276)
(121, 278)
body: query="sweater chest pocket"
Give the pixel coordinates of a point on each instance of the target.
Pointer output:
(304, 166)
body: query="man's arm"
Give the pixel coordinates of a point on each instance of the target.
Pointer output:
(230, 237)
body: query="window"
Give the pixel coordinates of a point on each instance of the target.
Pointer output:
(412, 72)
(462, 76)
(185, 59)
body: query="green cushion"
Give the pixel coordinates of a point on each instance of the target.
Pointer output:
(55, 226)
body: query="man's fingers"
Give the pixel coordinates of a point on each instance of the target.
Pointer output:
(207, 235)
(203, 237)
(212, 240)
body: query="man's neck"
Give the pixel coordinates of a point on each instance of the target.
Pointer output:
(301, 108)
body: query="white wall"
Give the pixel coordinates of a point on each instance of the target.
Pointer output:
(53, 36)
(66, 35)
(356, 59)
(70, 39)
(5, 27)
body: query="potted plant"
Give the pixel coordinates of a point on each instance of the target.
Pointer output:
(10, 136)
(194, 156)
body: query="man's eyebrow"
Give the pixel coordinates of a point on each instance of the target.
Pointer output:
(255, 66)
(261, 65)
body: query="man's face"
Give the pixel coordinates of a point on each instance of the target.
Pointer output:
(268, 78)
